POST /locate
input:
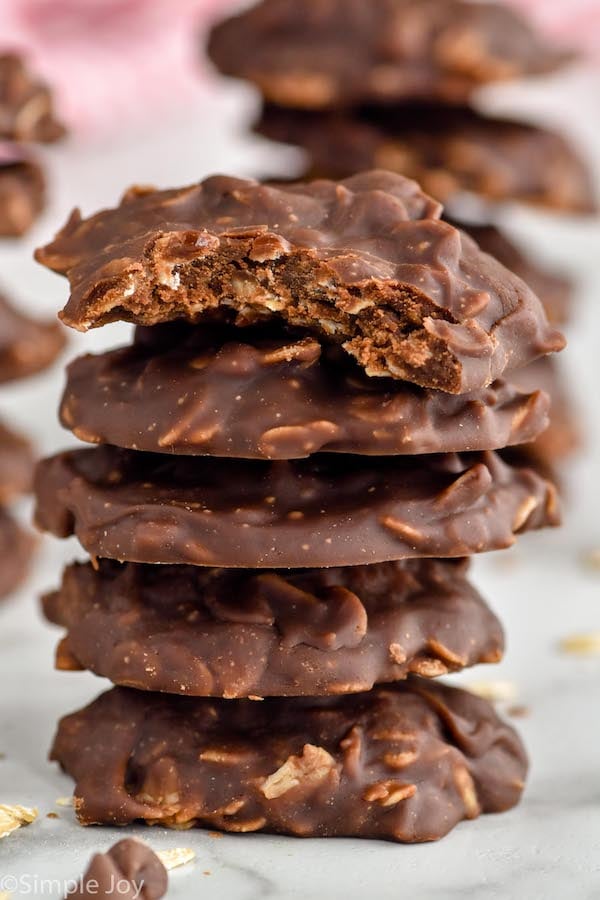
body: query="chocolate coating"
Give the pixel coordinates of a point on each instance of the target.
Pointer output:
(324, 511)
(449, 151)
(26, 345)
(230, 633)
(16, 464)
(365, 262)
(129, 870)
(26, 108)
(555, 290)
(16, 548)
(22, 191)
(403, 763)
(324, 54)
(564, 436)
(226, 393)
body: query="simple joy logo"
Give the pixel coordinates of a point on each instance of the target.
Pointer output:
(30, 885)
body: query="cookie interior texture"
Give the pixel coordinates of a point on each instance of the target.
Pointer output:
(365, 263)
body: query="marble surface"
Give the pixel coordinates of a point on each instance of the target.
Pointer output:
(548, 848)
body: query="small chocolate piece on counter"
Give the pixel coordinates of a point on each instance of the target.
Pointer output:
(22, 190)
(449, 151)
(26, 108)
(16, 464)
(555, 291)
(253, 395)
(225, 633)
(405, 762)
(326, 54)
(366, 263)
(324, 511)
(129, 870)
(16, 548)
(26, 345)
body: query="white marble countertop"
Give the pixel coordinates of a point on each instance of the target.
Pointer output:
(546, 849)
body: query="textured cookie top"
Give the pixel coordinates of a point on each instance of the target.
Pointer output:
(26, 345)
(366, 262)
(555, 288)
(405, 762)
(248, 633)
(26, 109)
(324, 511)
(226, 392)
(319, 54)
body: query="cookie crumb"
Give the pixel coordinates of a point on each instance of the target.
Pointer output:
(494, 691)
(180, 856)
(591, 559)
(14, 817)
(581, 644)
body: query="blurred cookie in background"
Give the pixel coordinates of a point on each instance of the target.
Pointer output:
(16, 473)
(16, 549)
(16, 464)
(22, 190)
(27, 345)
(26, 117)
(26, 104)
(450, 151)
(345, 53)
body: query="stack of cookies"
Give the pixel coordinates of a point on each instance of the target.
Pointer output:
(26, 117)
(26, 347)
(394, 84)
(296, 457)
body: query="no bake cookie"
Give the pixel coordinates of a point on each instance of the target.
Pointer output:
(404, 763)
(218, 632)
(366, 263)
(329, 510)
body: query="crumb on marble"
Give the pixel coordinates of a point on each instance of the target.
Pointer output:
(179, 856)
(587, 644)
(494, 691)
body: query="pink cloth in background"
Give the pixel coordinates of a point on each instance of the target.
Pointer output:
(110, 60)
(575, 23)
